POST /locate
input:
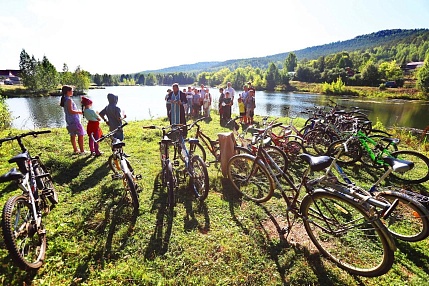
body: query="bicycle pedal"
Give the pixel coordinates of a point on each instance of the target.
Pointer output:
(116, 176)
(138, 177)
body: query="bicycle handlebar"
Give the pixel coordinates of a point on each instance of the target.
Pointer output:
(110, 134)
(17, 137)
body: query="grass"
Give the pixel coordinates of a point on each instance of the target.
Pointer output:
(224, 241)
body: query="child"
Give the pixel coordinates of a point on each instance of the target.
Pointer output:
(114, 116)
(93, 126)
(242, 110)
(74, 127)
(250, 106)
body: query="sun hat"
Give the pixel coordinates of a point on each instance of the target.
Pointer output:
(86, 101)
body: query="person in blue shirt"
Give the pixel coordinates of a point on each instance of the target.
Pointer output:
(114, 116)
(176, 98)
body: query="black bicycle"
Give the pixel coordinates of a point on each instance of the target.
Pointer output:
(121, 167)
(23, 230)
(194, 166)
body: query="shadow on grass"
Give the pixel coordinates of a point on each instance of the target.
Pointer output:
(160, 238)
(65, 172)
(113, 220)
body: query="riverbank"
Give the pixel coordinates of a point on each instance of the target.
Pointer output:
(406, 93)
(15, 91)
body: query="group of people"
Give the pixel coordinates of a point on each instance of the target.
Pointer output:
(191, 102)
(198, 101)
(182, 104)
(75, 128)
(246, 103)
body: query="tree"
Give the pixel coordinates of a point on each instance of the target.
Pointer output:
(370, 74)
(422, 82)
(291, 62)
(28, 66)
(98, 80)
(48, 76)
(66, 76)
(272, 77)
(390, 71)
(81, 80)
(5, 115)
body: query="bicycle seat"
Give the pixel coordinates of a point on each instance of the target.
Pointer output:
(391, 140)
(12, 175)
(19, 158)
(116, 143)
(317, 163)
(398, 165)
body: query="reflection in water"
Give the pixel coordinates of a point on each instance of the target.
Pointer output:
(146, 102)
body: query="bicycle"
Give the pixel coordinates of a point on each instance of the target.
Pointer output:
(243, 145)
(23, 230)
(345, 226)
(409, 220)
(121, 168)
(194, 166)
(371, 153)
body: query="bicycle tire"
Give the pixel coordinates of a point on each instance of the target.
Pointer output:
(365, 248)
(131, 190)
(200, 177)
(115, 165)
(317, 141)
(26, 245)
(196, 149)
(170, 184)
(279, 157)
(353, 154)
(420, 172)
(44, 182)
(409, 221)
(255, 184)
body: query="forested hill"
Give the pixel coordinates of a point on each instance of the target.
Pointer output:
(386, 38)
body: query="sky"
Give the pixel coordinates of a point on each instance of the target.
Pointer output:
(129, 36)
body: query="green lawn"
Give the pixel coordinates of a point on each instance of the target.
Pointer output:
(225, 241)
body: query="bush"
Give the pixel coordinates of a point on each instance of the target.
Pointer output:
(6, 121)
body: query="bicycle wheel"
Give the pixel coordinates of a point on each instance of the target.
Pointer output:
(250, 177)
(317, 141)
(131, 195)
(343, 232)
(170, 183)
(292, 148)
(44, 182)
(409, 220)
(199, 177)
(353, 154)
(418, 174)
(26, 244)
(279, 157)
(196, 149)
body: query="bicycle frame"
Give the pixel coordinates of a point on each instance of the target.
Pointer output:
(377, 158)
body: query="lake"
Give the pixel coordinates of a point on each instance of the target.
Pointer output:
(145, 102)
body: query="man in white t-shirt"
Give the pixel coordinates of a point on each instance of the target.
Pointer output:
(230, 89)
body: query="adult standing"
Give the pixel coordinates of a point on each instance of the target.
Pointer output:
(189, 95)
(226, 103)
(177, 100)
(230, 89)
(73, 124)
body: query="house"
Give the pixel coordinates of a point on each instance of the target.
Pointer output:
(10, 76)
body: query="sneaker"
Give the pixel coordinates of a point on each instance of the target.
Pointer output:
(84, 153)
(98, 154)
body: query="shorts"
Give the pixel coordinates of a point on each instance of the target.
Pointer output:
(242, 113)
(250, 113)
(76, 129)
